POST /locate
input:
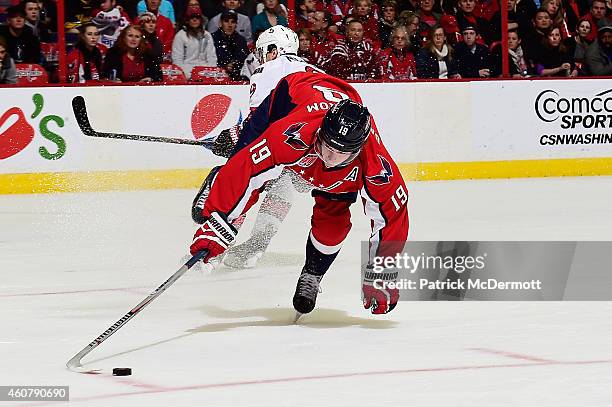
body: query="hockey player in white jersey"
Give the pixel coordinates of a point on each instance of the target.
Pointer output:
(276, 49)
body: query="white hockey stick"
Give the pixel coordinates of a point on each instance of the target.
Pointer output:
(74, 364)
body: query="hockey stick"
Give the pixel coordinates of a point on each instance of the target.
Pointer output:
(74, 364)
(80, 113)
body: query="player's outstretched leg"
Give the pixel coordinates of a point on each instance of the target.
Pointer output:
(315, 267)
(272, 212)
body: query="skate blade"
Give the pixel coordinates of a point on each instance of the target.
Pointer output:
(297, 316)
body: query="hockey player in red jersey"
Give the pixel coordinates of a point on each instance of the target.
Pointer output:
(316, 127)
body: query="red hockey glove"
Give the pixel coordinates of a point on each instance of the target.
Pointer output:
(377, 295)
(215, 235)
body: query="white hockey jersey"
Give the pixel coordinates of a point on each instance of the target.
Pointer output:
(267, 76)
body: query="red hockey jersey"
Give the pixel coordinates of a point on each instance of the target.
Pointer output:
(397, 65)
(354, 61)
(294, 112)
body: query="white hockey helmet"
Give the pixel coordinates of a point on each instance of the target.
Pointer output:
(278, 37)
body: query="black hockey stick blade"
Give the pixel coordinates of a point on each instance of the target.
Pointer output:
(80, 113)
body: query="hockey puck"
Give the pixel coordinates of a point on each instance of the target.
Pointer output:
(122, 371)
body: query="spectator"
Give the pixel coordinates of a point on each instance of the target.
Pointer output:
(542, 23)
(186, 8)
(231, 47)
(163, 7)
(574, 9)
(243, 26)
(436, 60)
(597, 60)
(338, 9)
(129, 6)
(260, 6)
(272, 15)
(554, 59)
(21, 43)
(163, 26)
(525, 11)
(8, 72)
(129, 61)
(47, 14)
(412, 22)
(466, 17)
(517, 64)
(397, 62)
(354, 58)
(32, 20)
(77, 13)
(85, 60)
(405, 18)
(304, 12)
(407, 5)
(557, 15)
(363, 11)
(305, 49)
(193, 45)
(579, 42)
(387, 22)
(110, 21)
(449, 24)
(516, 21)
(155, 48)
(473, 59)
(427, 16)
(211, 8)
(485, 9)
(323, 40)
(597, 17)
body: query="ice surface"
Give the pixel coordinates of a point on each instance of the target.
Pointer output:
(72, 264)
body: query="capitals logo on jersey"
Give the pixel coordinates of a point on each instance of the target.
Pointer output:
(294, 136)
(384, 175)
(307, 160)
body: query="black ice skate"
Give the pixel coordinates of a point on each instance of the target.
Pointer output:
(306, 291)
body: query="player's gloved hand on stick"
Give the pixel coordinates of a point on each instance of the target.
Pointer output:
(377, 294)
(215, 235)
(226, 141)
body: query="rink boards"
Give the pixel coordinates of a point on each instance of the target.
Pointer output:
(434, 130)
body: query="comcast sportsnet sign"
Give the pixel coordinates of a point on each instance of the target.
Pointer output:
(574, 119)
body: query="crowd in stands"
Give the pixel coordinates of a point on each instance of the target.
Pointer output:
(389, 40)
